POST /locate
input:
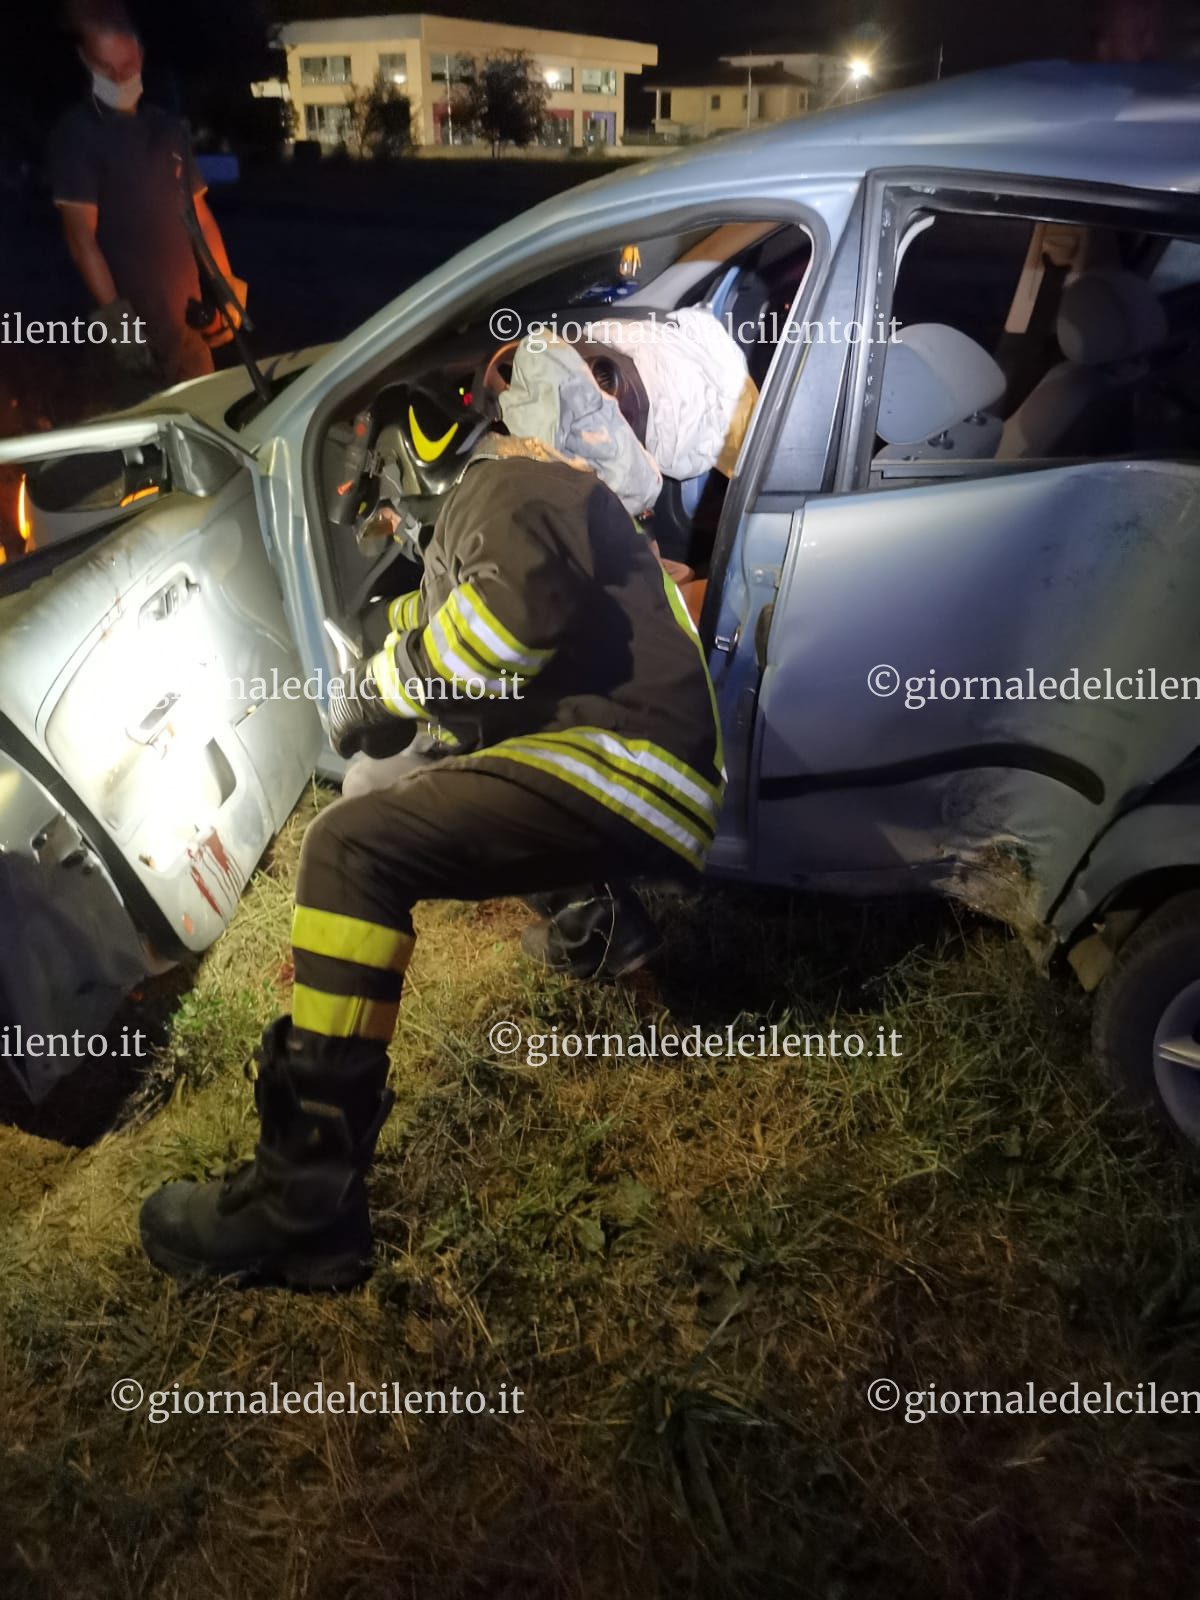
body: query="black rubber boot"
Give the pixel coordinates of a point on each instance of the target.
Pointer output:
(297, 1213)
(602, 936)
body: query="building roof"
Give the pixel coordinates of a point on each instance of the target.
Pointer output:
(726, 77)
(386, 24)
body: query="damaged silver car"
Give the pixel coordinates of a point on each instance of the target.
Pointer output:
(947, 588)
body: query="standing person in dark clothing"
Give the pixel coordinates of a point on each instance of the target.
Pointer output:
(121, 173)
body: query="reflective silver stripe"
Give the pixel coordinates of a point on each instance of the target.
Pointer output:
(587, 776)
(668, 776)
(395, 696)
(443, 655)
(477, 620)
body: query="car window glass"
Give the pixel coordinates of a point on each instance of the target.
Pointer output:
(1034, 341)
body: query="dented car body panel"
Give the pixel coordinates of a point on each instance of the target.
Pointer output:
(1071, 580)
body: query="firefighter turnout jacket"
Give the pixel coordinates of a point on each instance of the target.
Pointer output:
(547, 644)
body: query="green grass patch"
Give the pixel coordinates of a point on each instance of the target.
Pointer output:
(692, 1268)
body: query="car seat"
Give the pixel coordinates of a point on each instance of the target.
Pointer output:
(935, 391)
(1109, 323)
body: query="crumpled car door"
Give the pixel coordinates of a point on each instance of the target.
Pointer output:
(877, 768)
(143, 680)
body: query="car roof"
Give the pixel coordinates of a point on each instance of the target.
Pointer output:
(1116, 124)
(1132, 126)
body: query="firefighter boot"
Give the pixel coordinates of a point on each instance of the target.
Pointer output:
(297, 1213)
(591, 935)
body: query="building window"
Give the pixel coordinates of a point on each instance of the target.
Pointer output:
(556, 129)
(329, 124)
(324, 69)
(664, 105)
(714, 102)
(444, 67)
(393, 67)
(559, 80)
(598, 80)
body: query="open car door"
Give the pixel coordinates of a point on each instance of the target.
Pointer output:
(151, 696)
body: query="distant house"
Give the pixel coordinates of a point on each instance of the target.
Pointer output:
(428, 57)
(744, 92)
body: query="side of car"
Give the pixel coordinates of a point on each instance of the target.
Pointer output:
(888, 510)
(964, 664)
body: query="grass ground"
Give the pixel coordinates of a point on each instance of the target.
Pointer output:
(691, 1269)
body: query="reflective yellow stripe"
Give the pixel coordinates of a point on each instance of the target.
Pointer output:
(483, 620)
(473, 642)
(343, 1016)
(613, 770)
(689, 774)
(620, 777)
(396, 697)
(429, 640)
(370, 944)
(442, 645)
(578, 771)
(405, 611)
(683, 617)
(647, 763)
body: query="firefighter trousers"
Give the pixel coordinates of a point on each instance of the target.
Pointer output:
(445, 832)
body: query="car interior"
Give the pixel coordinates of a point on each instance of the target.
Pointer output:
(1020, 342)
(746, 273)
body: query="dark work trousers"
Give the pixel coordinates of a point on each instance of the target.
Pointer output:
(445, 832)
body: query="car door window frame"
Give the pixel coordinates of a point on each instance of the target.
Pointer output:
(893, 198)
(651, 219)
(800, 401)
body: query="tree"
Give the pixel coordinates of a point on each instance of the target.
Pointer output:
(381, 119)
(506, 102)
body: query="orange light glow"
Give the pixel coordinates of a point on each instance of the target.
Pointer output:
(24, 526)
(139, 494)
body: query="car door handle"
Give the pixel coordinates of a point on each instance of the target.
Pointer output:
(148, 729)
(168, 601)
(762, 630)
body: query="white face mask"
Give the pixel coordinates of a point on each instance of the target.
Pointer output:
(117, 96)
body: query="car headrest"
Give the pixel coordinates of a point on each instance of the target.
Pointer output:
(933, 377)
(1109, 315)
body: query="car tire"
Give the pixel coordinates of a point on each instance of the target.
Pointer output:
(1146, 1025)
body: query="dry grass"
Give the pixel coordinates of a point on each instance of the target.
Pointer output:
(692, 1269)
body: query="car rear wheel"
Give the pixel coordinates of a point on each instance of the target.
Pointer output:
(1146, 1026)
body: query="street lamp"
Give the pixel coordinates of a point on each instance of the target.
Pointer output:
(860, 68)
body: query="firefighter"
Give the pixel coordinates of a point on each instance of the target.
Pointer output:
(549, 646)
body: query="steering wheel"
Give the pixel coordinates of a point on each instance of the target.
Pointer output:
(491, 377)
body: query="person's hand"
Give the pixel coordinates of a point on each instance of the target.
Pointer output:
(219, 330)
(120, 320)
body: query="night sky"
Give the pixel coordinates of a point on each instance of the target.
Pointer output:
(188, 39)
